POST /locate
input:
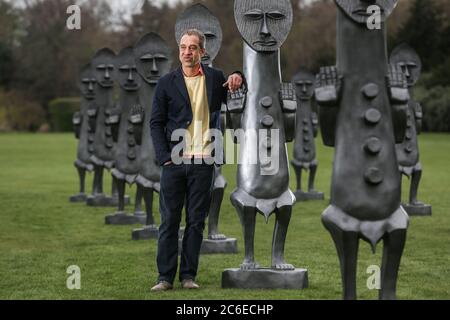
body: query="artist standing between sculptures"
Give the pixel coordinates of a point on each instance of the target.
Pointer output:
(188, 98)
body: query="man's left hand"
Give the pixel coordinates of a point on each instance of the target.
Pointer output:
(234, 82)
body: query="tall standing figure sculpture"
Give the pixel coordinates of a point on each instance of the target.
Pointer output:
(153, 60)
(266, 115)
(84, 129)
(305, 132)
(408, 151)
(362, 114)
(200, 18)
(103, 155)
(126, 151)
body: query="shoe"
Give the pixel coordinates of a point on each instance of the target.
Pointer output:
(162, 286)
(189, 284)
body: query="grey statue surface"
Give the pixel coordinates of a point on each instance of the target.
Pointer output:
(268, 107)
(305, 131)
(199, 17)
(103, 154)
(126, 150)
(408, 151)
(84, 129)
(153, 60)
(363, 114)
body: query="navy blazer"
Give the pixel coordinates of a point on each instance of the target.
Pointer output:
(172, 109)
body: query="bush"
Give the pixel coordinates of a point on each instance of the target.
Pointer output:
(19, 113)
(436, 108)
(60, 112)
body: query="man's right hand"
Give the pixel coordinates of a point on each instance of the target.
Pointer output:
(167, 163)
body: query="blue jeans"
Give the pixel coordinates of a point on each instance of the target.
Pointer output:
(190, 183)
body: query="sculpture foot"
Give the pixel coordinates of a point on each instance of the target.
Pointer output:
(249, 265)
(217, 236)
(81, 197)
(282, 266)
(417, 208)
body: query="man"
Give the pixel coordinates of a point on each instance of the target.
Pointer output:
(188, 98)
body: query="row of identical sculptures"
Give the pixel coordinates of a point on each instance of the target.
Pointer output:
(366, 112)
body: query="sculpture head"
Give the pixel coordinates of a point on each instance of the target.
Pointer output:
(303, 82)
(408, 59)
(357, 9)
(200, 18)
(103, 64)
(127, 76)
(152, 57)
(263, 24)
(87, 82)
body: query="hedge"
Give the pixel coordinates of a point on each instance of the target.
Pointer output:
(60, 112)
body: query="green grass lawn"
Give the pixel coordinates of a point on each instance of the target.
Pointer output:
(41, 234)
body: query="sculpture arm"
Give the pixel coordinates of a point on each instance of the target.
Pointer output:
(92, 117)
(235, 107)
(76, 122)
(398, 96)
(289, 108)
(327, 93)
(315, 124)
(113, 120)
(137, 120)
(418, 115)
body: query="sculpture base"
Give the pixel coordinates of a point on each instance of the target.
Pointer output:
(145, 233)
(417, 210)
(121, 218)
(265, 279)
(304, 196)
(81, 197)
(226, 246)
(101, 200)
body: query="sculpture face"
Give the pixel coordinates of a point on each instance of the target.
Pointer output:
(152, 57)
(357, 9)
(103, 64)
(304, 84)
(87, 83)
(407, 58)
(200, 18)
(127, 76)
(264, 24)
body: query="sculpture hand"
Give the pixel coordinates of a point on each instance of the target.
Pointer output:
(76, 121)
(328, 86)
(137, 119)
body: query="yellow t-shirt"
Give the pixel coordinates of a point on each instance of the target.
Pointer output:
(196, 87)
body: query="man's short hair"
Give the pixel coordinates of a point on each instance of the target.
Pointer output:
(195, 32)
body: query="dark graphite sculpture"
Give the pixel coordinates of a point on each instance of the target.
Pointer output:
(305, 132)
(200, 18)
(84, 129)
(362, 114)
(126, 151)
(103, 155)
(408, 151)
(153, 60)
(266, 113)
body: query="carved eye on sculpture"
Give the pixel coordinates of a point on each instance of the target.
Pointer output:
(209, 35)
(276, 15)
(254, 14)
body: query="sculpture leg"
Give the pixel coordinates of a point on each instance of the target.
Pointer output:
(415, 179)
(312, 175)
(283, 216)
(114, 192)
(298, 175)
(213, 216)
(347, 248)
(247, 215)
(81, 175)
(148, 198)
(138, 200)
(394, 243)
(97, 187)
(121, 194)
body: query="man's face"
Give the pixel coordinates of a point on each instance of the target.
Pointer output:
(263, 24)
(190, 51)
(152, 56)
(357, 9)
(200, 18)
(304, 84)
